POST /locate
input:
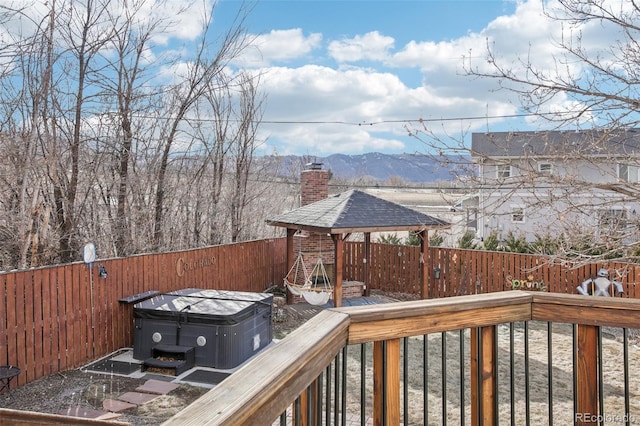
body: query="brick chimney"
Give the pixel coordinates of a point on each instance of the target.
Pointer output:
(314, 184)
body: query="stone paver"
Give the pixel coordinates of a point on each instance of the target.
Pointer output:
(116, 406)
(157, 387)
(137, 397)
(109, 416)
(84, 412)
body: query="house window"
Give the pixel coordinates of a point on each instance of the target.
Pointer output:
(503, 171)
(628, 173)
(517, 215)
(545, 168)
(612, 219)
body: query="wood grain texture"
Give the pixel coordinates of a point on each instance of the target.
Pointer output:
(404, 319)
(588, 310)
(261, 390)
(386, 382)
(488, 376)
(15, 417)
(586, 371)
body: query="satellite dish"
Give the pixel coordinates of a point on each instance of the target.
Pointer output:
(89, 253)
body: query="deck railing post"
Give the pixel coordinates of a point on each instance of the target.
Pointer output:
(586, 371)
(386, 382)
(309, 405)
(483, 376)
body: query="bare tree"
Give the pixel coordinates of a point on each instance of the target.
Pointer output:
(250, 111)
(182, 97)
(99, 146)
(578, 176)
(131, 42)
(52, 59)
(215, 135)
(81, 30)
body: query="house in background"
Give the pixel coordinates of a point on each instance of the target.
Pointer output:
(549, 183)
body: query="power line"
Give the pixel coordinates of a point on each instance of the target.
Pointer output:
(362, 123)
(409, 120)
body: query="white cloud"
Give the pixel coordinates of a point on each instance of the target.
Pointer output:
(370, 46)
(524, 36)
(182, 19)
(324, 140)
(355, 94)
(528, 36)
(318, 109)
(171, 20)
(278, 46)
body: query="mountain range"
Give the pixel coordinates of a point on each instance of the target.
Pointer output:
(415, 168)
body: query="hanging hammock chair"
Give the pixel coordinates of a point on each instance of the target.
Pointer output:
(315, 286)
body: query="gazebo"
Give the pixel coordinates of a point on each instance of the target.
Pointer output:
(341, 215)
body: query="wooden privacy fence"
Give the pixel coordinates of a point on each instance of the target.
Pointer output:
(62, 317)
(396, 268)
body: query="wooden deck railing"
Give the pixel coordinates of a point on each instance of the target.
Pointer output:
(287, 377)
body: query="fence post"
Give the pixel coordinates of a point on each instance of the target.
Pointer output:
(425, 265)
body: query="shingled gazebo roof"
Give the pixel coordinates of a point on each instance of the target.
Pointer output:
(355, 211)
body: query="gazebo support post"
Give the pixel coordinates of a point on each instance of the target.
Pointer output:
(424, 264)
(338, 244)
(367, 260)
(290, 259)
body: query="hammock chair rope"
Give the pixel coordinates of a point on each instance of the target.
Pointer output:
(309, 289)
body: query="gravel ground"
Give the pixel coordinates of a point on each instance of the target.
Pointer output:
(80, 389)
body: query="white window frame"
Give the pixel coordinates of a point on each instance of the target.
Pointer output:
(517, 214)
(629, 173)
(545, 168)
(503, 171)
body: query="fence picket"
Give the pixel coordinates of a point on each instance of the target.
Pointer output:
(19, 325)
(11, 327)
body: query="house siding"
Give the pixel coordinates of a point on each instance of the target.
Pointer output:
(552, 202)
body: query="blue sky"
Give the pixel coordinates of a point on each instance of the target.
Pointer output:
(377, 65)
(359, 76)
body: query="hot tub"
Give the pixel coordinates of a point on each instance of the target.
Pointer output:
(224, 327)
